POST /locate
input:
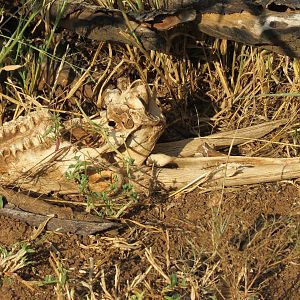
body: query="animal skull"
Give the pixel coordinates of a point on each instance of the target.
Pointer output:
(36, 151)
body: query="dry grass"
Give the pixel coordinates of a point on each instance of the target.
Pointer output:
(213, 86)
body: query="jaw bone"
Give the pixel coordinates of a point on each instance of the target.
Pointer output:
(36, 151)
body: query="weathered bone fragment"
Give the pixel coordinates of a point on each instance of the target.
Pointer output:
(41, 166)
(141, 115)
(189, 147)
(35, 159)
(216, 172)
(37, 151)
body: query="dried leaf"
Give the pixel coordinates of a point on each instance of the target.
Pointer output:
(11, 68)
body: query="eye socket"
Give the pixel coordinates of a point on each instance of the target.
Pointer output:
(112, 123)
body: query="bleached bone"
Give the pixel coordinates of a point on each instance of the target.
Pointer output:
(36, 151)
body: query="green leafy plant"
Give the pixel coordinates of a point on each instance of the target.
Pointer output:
(78, 172)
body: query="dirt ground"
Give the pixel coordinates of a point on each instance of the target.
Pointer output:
(253, 253)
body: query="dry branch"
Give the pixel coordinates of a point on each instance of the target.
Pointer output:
(271, 24)
(35, 205)
(56, 224)
(35, 211)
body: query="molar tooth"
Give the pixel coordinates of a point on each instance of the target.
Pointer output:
(39, 116)
(13, 129)
(9, 130)
(19, 145)
(41, 139)
(13, 150)
(35, 119)
(36, 141)
(21, 124)
(26, 143)
(30, 122)
(46, 131)
(22, 128)
(20, 120)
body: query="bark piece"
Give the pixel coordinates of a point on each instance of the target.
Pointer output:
(34, 205)
(98, 23)
(276, 31)
(56, 224)
(39, 206)
(271, 24)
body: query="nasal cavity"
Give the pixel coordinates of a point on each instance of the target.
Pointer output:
(277, 7)
(112, 123)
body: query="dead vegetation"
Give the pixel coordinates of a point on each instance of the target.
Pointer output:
(238, 243)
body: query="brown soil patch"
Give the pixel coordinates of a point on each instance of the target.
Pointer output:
(242, 244)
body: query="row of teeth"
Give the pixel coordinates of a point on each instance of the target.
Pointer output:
(23, 124)
(15, 131)
(21, 145)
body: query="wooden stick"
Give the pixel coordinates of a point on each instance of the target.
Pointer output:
(255, 23)
(56, 224)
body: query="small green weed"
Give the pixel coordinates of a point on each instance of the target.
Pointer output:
(104, 199)
(78, 172)
(55, 128)
(15, 259)
(137, 295)
(61, 278)
(171, 290)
